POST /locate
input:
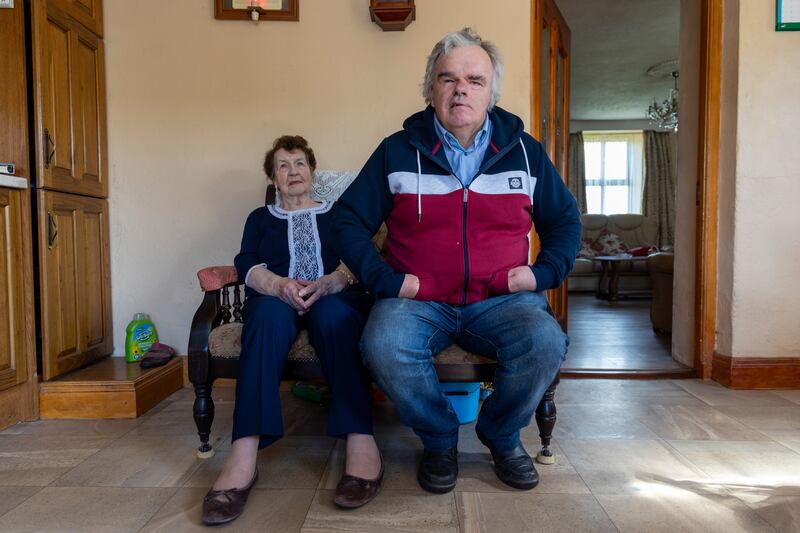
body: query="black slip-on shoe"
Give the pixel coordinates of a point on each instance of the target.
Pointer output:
(438, 470)
(513, 467)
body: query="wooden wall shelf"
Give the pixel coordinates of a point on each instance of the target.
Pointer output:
(391, 15)
(109, 388)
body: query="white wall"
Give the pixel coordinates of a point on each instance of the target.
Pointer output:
(193, 103)
(765, 300)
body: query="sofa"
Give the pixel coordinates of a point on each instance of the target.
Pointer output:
(659, 267)
(612, 235)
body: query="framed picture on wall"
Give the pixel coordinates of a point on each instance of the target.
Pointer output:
(266, 9)
(787, 15)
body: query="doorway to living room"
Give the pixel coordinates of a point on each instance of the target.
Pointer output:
(624, 67)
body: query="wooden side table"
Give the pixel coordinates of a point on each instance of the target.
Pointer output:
(608, 285)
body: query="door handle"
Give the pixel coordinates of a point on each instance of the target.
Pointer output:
(48, 144)
(52, 230)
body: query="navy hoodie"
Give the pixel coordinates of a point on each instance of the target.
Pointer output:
(459, 241)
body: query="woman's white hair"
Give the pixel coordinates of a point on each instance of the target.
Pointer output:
(465, 37)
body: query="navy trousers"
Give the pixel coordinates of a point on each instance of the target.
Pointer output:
(334, 326)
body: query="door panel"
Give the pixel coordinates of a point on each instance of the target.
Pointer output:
(90, 112)
(12, 298)
(88, 12)
(96, 282)
(550, 46)
(57, 161)
(75, 281)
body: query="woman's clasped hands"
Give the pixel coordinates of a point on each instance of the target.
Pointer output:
(301, 294)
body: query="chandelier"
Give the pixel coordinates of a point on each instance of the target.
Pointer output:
(664, 114)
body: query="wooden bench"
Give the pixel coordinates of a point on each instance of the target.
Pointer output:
(214, 341)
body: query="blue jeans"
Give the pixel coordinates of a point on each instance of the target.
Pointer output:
(402, 336)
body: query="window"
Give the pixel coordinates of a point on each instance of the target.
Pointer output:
(613, 172)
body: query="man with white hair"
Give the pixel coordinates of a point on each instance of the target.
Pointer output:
(460, 188)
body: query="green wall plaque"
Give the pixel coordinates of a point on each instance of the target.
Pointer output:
(787, 15)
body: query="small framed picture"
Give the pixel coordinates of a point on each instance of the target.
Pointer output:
(787, 15)
(267, 9)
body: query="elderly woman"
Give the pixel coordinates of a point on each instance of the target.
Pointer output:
(294, 279)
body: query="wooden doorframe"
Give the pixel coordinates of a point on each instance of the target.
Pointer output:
(706, 229)
(559, 44)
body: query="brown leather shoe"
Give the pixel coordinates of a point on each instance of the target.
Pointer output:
(353, 492)
(223, 506)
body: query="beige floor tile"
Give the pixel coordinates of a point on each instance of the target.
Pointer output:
(788, 437)
(391, 510)
(94, 428)
(791, 395)
(748, 464)
(757, 417)
(55, 442)
(177, 419)
(10, 497)
(677, 510)
(715, 394)
(88, 509)
(141, 461)
(38, 468)
(618, 466)
(531, 511)
(290, 463)
(696, 423)
(603, 391)
(597, 421)
(267, 510)
(781, 511)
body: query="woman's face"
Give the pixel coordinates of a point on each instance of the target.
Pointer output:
(292, 173)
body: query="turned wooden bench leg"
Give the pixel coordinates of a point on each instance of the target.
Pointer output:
(546, 421)
(203, 418)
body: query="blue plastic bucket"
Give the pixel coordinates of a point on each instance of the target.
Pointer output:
(464, 399)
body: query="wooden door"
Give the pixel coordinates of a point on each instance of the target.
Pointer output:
(75, 281)
(69, 103)
(18, 387)
(550, 54)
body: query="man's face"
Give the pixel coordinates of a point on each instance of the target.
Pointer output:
(462, 88)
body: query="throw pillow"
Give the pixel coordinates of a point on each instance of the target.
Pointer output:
(586, 251)
(609, 244)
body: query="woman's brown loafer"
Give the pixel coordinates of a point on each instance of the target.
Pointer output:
(223, 506)
(353, 492)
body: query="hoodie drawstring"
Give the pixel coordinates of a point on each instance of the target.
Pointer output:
(419, 196)
(528, 166)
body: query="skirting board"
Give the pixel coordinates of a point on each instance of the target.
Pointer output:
(756, 372)
(103, 393)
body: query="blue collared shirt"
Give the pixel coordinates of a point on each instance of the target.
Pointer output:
(464, 162)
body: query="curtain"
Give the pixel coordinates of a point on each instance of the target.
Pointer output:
(577, 170)
(658, 201)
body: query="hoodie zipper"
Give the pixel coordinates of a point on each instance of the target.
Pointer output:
(466, 252)
(489, 163)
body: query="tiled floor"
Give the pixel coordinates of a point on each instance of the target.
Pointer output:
(631, 456)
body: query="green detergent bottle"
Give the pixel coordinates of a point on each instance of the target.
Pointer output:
(141, 334)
